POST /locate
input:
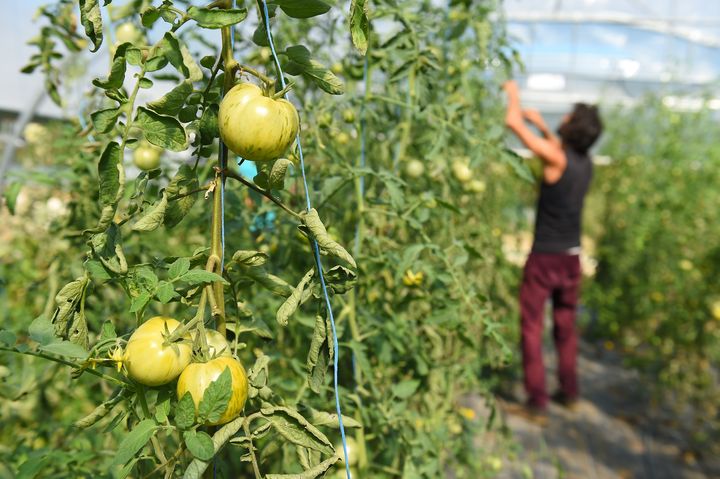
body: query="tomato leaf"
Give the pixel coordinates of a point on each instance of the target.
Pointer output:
(42, 330)
(291, 304)
(109, 173)
(311, 220)
(134, 441)
(104, 120)
(216, 398)
(11, 194)
(160, 130)
(91, 19)
(359, 25)
(175, 51)
(185, 412)
(165, 292)
(179, 267)
(291, 425)
(107, 331)
(276, 178)
(100, 411)
(172, 101)
(311, 473)
(7, 338)
(184, 182)
(405, 389)
(300, 61)
(140, 301)
(208, 125)
(66, 348)
(207, 18)
(250, 258)
(199, 444)
(316, 364)
(116, 78)
(269, 281)
(302, 8)
(200, 276)
(152, 218)
(69, 318)
(322, 418)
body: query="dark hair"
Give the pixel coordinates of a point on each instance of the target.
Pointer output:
(582, 128)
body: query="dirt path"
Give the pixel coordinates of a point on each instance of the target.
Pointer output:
(614, 432)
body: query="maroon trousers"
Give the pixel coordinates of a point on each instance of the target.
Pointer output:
(556, 276)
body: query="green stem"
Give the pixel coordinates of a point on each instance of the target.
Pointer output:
(256, 468)
(266, 194)
(257, 74)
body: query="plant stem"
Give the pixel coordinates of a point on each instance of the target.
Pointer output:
(177, 197)
(262, 77)
(266, 194)
(256, 468)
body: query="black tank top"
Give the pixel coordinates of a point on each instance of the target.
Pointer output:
(560, 205)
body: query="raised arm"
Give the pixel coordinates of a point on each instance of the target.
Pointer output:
(548, 150)
(534, 117)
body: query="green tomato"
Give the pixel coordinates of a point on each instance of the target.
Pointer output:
(476, 186)
(336, 68)
(148, 361)
(147, 157)
(197, 377)
(127, 32)
(35, 133)
(342, 138)
(217, 344)
(462, 171)
(254, 126)
(349, 116)
(352, 450)
(415, 168)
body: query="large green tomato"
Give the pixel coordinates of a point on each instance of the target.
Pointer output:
(352, 450)
(147, 157)
(148, 360)
(127, 32)
(462, 171)
(415, 168)
(254, 126)
(196, 378)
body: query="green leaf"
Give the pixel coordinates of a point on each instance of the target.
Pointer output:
(315, 227)
(216, 397)
(117, 74)
(291, 304)
(66, 348)
(91, 20)
(322, 418)
(107, 331)
(109, 173)
(207, 18)
(134, 441)
(302, 8)
(300, 61)
(153, 218)
(149, 16)
(11, 193)
(160, 130)
(175, 51)
(96, 270)
(340, 279)
(185, 412)
(405, 389)
(291, 425)
(140, 301)
(184, 182)
(269, 281)
(200, 276)
(100, 411)
(179, 267)
(199, 444)
(162, 405)
(250, 258)
(104, 120)
(42, 330)
(165, 292)
(313, 472)
(7, 337)
(208, 125)
(172, 101)
(276, 178)
(69, 318)
(316, 360)
(359, 25)
(260, 36)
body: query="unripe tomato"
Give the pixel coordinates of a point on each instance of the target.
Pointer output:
(127, 32)
(342, 138)
(476, 186)
(336, 68)
(415, 168)
(716, 310)
(196, 378)
(148, 360)
(147, 157)
(352, 451)
(35, 133)
(265, 54)
(349, 115)
(462, 171)
(217, 344)
(255, 126)
(325, 119)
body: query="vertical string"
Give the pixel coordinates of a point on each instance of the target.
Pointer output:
(316, 249)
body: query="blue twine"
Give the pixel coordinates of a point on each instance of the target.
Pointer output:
(316, 249)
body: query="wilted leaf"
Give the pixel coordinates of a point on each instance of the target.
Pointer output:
(91, 19)
(291, 304)
(152, 218)
(359, 25)
(109, 173)
(184, 182)
(317, 230)
(69, 318)
(208, 18)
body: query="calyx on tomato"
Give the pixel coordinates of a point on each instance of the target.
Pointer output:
(255, 126)
(149, 360)
(197, 377)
